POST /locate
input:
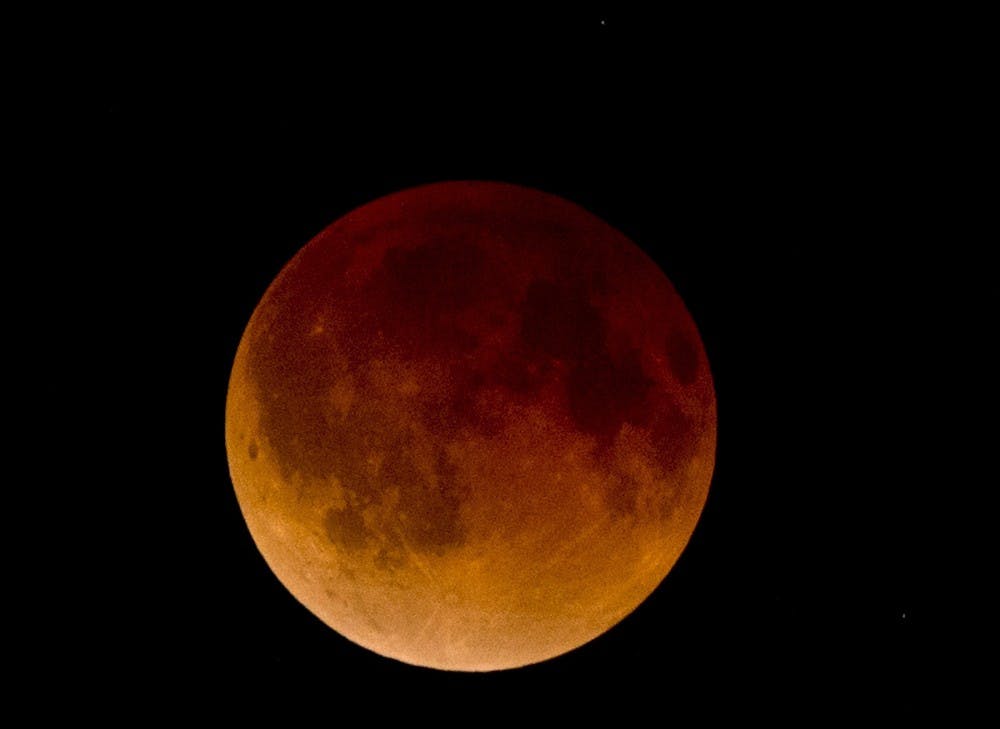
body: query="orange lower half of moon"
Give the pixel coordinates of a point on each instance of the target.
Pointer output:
(471, 426)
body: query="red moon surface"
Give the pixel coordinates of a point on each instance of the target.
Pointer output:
(471, 426)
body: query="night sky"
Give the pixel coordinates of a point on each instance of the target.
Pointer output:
(777, 189)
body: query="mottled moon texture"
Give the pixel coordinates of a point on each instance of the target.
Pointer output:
(471, 426)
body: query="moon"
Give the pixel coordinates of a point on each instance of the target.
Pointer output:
(471, 426)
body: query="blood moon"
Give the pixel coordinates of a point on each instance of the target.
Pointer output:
(471, 426)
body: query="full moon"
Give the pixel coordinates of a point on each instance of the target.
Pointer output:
(471, 426)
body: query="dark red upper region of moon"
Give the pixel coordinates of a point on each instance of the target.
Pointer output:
(449, 357)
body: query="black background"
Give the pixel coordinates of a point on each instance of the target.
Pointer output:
(782, 187)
